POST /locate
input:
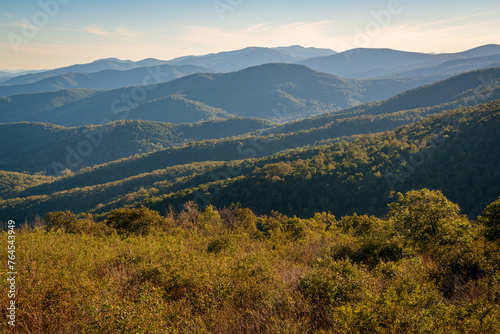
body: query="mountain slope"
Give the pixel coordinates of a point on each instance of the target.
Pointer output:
(456, 152)
(95, 66)
(12, 183)
(466, 89)
(36, 147)
(343, 178)
(252, 56)
(34, 106)
(104, 80)
(368, 63)
(273, 91)
(176, 109)
(453, 67)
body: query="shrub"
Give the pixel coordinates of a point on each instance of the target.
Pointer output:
(71, 223)
(218, 244)
(491, 220)
(359, 225)
(330, 285)
(135, 220)
(428, 220)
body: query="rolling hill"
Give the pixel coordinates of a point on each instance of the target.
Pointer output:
(105, 80)
(281, 92)
(252, 56)
(176, 109)
(95, 66)
(34, 106)
(12, 183)
(466, 89)
(406, 108)
(41, 147)
(456, 152)
(369, 63)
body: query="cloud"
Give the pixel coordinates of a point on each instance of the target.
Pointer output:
(7, 16)
(432, 38)
(446, 35)
(306, 33)
(117, 31)
(454, 19)
(18, 24)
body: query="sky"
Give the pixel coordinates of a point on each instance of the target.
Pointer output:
(48, 34)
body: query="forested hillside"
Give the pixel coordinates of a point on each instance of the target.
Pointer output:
(342, 178)
(282, 92)
(41, 147)
(463, 90)
(455, 153)
(32, 107)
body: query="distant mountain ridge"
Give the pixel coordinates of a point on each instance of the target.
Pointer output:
(95, 66)
(354, 64)
(451, 67)
(281, 92)
(251, 56)
(106, 79)
(364, 63)
(216, 62)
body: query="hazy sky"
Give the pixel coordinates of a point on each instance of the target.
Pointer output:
(55, 33)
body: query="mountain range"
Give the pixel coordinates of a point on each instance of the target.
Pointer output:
(455, 152)
(95, 66)
(42, 144)
(282, 92)
(104, 80)
(258, 126)
(354, 64)
(252, 56)
(219, 62)
(370, 63)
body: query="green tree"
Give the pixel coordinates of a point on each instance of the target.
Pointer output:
(135, 220)
(71, 223)
(428, 219)
(491, 220)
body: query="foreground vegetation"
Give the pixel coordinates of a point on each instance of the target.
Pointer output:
(422, 268)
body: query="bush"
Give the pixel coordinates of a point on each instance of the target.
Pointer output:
(218, 244)
(359, 225)
(71, 223)
(135, 220)
(332, 284)
(491, 220)
(428, 220)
